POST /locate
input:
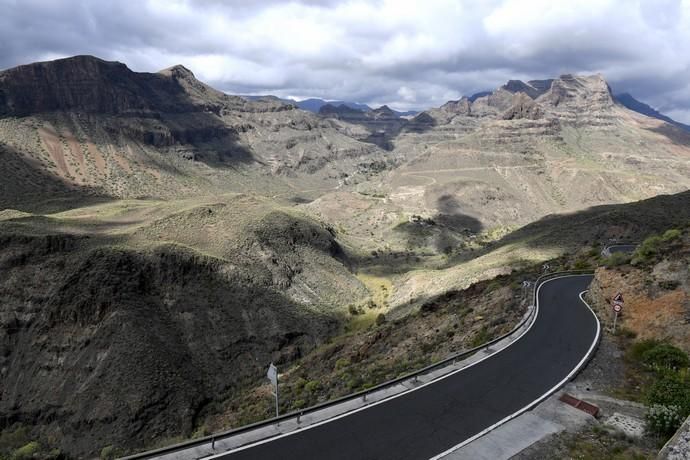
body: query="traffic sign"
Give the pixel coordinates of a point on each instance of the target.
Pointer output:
(618, 298)
(272, 374)
(617, 308)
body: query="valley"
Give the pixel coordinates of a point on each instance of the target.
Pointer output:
(161, 241)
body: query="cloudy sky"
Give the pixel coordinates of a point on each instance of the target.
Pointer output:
(408, 54)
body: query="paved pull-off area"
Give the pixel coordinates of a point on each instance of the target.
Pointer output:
(434, 419)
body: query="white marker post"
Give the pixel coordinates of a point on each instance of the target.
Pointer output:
(617, 307)
(273, 377)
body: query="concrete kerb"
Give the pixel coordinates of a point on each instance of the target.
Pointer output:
(316, 415)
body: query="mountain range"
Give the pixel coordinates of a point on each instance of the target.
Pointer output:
(162, 241)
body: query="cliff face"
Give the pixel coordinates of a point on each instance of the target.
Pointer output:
(98, 125)
(88, 84)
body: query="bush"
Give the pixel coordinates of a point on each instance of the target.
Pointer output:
(342, 363)
(647, 250)
(663, 420)
(311, 386)
(671, 235)
(638, 349)
(480, 338)
(26, 451)
(665, 356)
(671, 389)
(616, 259)
(582, 264)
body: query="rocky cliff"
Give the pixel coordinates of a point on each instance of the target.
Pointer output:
(98, 125)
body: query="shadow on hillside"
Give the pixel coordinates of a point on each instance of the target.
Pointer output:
(169, 312)
(675, 134)
(443, 231)
(26, 186)
(383, 132)
(599, 224)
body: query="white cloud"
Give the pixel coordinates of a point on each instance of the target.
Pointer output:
(400, 52)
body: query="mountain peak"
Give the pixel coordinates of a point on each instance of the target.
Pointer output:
(178, 71)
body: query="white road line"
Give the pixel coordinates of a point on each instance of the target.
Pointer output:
(541, 398)
(354, 411)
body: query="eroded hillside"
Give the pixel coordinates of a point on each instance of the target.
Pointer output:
(161, 241)
(121, 324)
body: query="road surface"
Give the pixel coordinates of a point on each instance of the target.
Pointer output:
(434, 418)
(626, 248)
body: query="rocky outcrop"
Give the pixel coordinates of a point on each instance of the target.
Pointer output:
(523, 107)
(461, 107)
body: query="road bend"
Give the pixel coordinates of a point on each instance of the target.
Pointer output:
(431, 419)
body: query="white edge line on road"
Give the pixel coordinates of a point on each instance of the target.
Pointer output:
(541, 398)
(337, 417)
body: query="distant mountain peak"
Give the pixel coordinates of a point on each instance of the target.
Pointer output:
(178, 71)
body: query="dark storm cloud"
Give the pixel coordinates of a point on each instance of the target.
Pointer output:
(404, 53)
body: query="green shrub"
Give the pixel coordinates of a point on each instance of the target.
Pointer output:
(299, 404)
(582, 264)
(311, 386)
(480, 338)
(26, 451)
(11, 439)
(663, 420)
(638, 349)
(616, 259)
(342, 363)
(671, 235)
(671, 389)
(665, 356)
(647, 250)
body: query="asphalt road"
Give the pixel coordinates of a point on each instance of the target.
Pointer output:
(423, 423)
(627, 248)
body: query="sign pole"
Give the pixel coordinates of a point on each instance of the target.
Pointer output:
(615, 318)
(276, 393)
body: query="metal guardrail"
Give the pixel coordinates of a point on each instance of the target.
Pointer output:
(360, 394)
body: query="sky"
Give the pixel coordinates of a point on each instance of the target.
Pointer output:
(407, 54)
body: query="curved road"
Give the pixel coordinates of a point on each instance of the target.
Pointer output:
(626, 248)
(434, 418)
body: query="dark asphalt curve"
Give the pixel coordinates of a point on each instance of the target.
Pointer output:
(625, 248)
(430, 420)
